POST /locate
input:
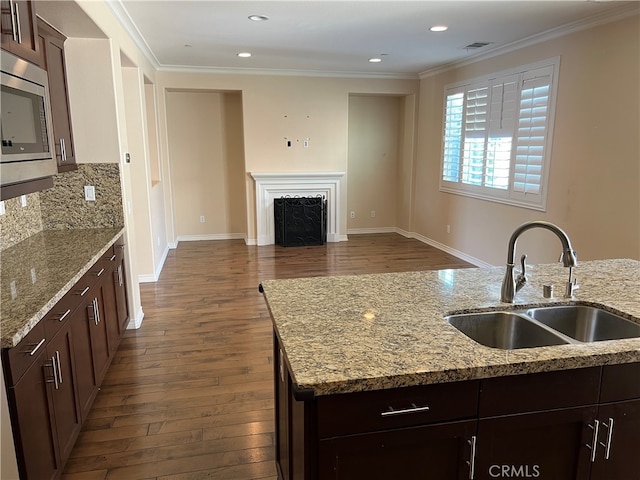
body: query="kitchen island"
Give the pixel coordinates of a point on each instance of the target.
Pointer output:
(368, 372)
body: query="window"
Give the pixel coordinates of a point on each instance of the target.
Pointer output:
(497, 135)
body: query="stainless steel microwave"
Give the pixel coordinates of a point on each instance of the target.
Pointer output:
(28, 151)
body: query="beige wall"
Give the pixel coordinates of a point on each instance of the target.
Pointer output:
(205, 146)
(595, 166)
(277, 108)
(375, 124)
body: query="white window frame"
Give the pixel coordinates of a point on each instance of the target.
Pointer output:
(489, 120)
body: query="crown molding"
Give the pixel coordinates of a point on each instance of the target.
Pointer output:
(288, 73)
(127, 23)
(617, 13)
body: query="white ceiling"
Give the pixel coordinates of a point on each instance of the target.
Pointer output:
(338, 37)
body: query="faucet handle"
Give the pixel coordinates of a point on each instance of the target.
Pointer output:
(523, 258)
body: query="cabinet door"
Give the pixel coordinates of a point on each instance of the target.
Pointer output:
(19, 31)
(86, 384)
(437, 452)
(52, 44)
(98, 333)
(111, 310)
(618, 454)
(33, 422)
(121, 293)
(550, 444)
(63, 392)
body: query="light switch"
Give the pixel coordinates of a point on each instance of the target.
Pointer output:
(90, 193)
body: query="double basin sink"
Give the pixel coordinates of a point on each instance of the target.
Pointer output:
(544, 326)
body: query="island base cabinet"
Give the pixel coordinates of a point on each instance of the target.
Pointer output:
(618, 453)
(545, 445)
(436, 452)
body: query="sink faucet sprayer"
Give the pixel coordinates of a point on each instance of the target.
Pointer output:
(511, 285)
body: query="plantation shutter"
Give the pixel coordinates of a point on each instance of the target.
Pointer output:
(454, 107)
(533, 124)
(502, 123)
(475, 133)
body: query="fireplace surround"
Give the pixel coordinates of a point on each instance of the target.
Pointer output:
(270, 186)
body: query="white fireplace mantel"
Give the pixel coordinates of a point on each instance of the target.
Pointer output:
(302, 184)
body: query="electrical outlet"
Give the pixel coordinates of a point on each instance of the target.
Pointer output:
(23, 200)
(373, 214)
(90, 193)
(201, 218)
(305, 143)
(448, 228)
(353, 214)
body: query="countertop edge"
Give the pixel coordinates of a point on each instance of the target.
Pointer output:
(33, 321)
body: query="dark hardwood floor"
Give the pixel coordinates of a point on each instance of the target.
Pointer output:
(189, 395)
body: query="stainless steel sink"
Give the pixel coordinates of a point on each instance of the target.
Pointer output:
(505, 330)
(586, 324)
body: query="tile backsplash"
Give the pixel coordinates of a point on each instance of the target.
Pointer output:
(63, 206)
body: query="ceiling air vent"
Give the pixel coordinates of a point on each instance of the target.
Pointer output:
(476, 45)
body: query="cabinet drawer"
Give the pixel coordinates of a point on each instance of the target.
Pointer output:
(18, 359)
(399, 407)
(620, 382)
(539, 391)
(60, 313)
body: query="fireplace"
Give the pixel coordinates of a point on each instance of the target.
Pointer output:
(300, 221)
(271, 186)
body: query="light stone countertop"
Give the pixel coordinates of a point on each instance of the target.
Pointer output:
(370, 332)
(40, 270)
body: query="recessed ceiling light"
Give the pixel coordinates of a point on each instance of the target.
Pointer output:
(439, 28)
(258, 18)
(375, 60)
(244, 54)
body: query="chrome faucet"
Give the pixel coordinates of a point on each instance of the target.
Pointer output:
(511, 285)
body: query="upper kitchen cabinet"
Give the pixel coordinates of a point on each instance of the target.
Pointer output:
(19, 30)
(52, 47)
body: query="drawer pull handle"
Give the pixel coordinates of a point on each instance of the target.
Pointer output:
(594, 441)
(100, 272)
(607, 446)
(35, 348)
(472, 457)
(86, 289)
(64, 315)
(113, 257)
(55, 373)
(59, 367)
(414, 409)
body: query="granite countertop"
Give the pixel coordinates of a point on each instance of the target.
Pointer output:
(370, 332)
(40, 270)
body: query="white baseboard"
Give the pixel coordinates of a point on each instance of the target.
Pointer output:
(136, 321)
(452, 251)
(150, 278)
(440, 246)
(363, 231)
(212, 236)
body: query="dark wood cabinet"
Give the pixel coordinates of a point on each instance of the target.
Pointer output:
(52, 47)
(19, 30)
(550, 444)
(53, 375)
(581, 424)
(618, 453)
(63, 390)
(86, 384)
(33, 422)
(437, 452)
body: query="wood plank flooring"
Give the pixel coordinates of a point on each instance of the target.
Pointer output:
(189, 395)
